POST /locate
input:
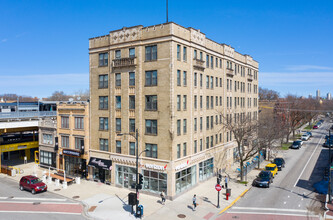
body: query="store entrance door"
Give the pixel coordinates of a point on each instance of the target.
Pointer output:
(101, 175)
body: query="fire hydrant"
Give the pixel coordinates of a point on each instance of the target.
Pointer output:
(227, 195)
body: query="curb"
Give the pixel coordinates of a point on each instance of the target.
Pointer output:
(233, 202)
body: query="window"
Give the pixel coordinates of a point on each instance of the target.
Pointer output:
(65, 141)
(132, 102)
(195, 146)
(201, 57)
(184, 126)
(207, 142)
(118, 124)
(195, 54)
(178, 52)
(207, 102)
(200, 123)
(207, 82)
(103, 124)
(195, 125)
(195, 79)
(211, 62)
(220, 63)
(132, 125)
(207, 61)
(184, 54)
(184, 78)
(132, 52)
(64, 122)
(220, 100)
(201, 145)
(184, 149)
(151, 126)
(211, 141)
(211, 82)
(220, 82)
(131, 79)
(201, 102)
(178, 127)
(151, 102)
(103, 144)
(216, 119)
(79, 143)
(178, 78)
(178, 150)
(46, 158)
(47, 139)
(227, 84)
(151, 53)
(118, 79)
(184, 102)
(151, 78)
(216, 82)
(201, 80)
(195, 102)
(78, 122)
(103, 82)
(118, 147)
(132, 148)
(118, 102)
(211, 122)
(103, 59)
(151, 150)
(178, 102)
(118, 54)
(207, 122)
(212, 102)
(103, 102)
(216, 62)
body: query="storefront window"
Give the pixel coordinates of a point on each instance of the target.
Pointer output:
(46, 158)
(102, 175)
(154, 181)
(206, 169)
(185, 179)
(125, 176)
(74, 166)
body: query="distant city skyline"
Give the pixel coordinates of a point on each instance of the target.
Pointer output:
(44, 44)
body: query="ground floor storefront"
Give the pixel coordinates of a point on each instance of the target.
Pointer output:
(73, 162)
(100, 170)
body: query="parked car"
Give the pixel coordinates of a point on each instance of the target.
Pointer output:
(296, 145)
(315, 127)
(33, 184)
(263, 179)
(305, 137)
(328, 143)
(280, 163)
(309, 133)
(272, 168)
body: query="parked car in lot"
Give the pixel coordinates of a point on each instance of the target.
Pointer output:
(305, 137)
(296, 144)
(280, 163)
(315, 127)
(33, 184)
(263, 179)
(309, 133)
(272, 168)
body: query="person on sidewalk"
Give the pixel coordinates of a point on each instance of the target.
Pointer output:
(163, 197)
(226, 182)
(194, 202)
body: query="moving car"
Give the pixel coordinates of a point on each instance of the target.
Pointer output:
(263, 179)
(272, 168)
(296, 145)
(305, 137)
(280, 163)
(33, 184)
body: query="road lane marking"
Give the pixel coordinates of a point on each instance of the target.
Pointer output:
(284, 202)
(270, 209)
(241, 195)
(3, 197)
(288, 196)
(41, 212)
(308, 161)
(39, 199)
(299, 205)
(44, 203)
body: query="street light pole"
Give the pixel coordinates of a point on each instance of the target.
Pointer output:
(137, 169)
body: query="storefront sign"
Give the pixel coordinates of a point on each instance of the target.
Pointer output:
(71, 153)
(155, 167)
(181, 166)
(100, 163)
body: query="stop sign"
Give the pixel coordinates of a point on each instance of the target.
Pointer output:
(218, 187)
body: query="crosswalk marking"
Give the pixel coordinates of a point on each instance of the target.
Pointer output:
(270, 209)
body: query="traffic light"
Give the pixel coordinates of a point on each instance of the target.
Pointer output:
(140, 179)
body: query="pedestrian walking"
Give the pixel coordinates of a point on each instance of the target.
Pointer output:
(194, 202)
(163, 197)
(226, 182)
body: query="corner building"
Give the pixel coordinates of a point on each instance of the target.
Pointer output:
(172, 84)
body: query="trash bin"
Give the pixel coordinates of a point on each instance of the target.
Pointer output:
(77, 180)
(139, 212)
(228, 191)
(13, 172)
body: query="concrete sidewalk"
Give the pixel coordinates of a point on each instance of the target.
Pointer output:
(106, 202)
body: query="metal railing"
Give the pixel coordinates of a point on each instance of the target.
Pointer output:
(29, 114)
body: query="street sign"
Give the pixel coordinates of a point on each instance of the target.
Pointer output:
(218, 187)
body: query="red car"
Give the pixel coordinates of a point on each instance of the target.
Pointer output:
(33, 184)
(315, 127)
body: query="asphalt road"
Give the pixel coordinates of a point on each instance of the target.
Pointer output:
(291, 195)
(16, 204)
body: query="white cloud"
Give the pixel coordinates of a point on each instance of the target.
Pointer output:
(4, 40)
(307, 67)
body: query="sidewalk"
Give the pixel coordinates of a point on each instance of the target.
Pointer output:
(108, 202)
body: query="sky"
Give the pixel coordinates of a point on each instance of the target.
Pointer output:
(44, 43)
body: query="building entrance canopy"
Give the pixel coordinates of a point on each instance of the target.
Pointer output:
(100, 163)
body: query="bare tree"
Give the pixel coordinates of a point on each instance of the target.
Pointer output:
(58, 96)
(81, 95)
(268, 94)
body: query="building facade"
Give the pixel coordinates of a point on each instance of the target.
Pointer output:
(73, 138)
(47, 130)
(175, 86)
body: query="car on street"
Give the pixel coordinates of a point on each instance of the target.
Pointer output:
(309, 133)
(32, 184)
(296, 145)
(280, 163)
(272, 168)
(315, 127)
(328, 143)
(305, 137)
(263, 179)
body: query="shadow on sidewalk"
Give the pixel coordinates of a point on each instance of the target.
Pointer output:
(126, 207)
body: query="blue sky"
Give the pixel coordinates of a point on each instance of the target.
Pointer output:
(44, 44)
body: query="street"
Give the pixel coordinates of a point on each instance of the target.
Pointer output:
(16, 204)
(291, 195)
